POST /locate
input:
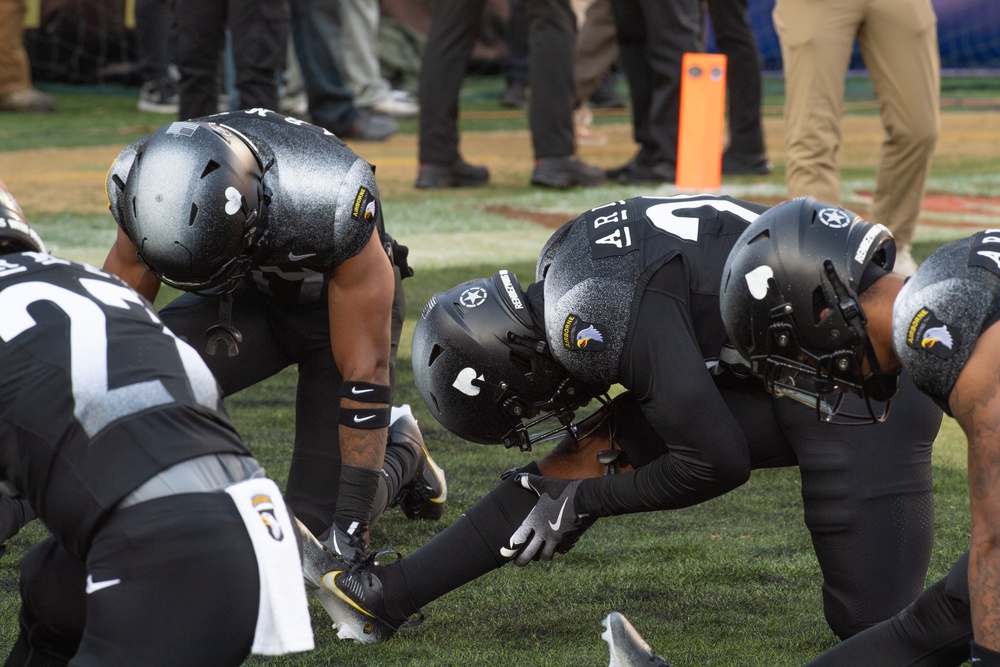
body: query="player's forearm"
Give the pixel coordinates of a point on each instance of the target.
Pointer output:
(364, 448)
(14, 514)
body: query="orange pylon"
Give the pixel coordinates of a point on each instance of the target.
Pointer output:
(702, 121)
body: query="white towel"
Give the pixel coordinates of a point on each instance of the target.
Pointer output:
(283, 623)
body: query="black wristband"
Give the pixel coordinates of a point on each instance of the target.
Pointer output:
(982, 656)
(366, 392)
(367, 418)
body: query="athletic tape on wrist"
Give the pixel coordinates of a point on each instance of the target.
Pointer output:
(366, 392)
(367, 418)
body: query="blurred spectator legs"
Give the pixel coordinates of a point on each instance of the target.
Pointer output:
(653, 37)
(360, 38)
(734, 37)
(316, 34)
(515, 94)
(16, 91)
(259, 31)
(153, 24)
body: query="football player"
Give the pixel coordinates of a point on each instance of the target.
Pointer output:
(794, 307)
(169, 545)
(273, 229)
(628, 294)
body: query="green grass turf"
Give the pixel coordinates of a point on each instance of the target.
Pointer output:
(730, 582)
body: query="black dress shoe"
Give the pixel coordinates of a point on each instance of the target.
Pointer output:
(746, 165)
(565, 172)
(639, 171)
(515, 95)
(458, 174)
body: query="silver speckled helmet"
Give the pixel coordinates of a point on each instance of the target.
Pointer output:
(789, 300)
(15, 233)
(194, 205)
(483, 368)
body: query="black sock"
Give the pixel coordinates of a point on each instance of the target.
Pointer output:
(462, 552)
(398, 470)
(358, 487)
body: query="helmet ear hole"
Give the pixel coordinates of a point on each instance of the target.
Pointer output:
(819, 305)
(209, 168)
(520, 361)
(436, 351)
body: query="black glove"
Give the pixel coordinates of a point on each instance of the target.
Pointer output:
(553, 524)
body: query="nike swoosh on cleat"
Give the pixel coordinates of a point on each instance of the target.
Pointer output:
(329, 581)
(292, 257)
(356, 391)
(358, 420)
(94, 586)
(555, 526)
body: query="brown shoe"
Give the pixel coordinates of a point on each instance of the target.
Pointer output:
(27, 100)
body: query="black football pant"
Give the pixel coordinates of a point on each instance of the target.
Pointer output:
(866, 490)
(934, 631)
(187, 591)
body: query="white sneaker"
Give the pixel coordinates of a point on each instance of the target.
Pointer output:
(398, 104)
(904, 265)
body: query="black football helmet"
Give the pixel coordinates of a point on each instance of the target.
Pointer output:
(15, 233)
(194, 205)
(789, 300)
(483, 367)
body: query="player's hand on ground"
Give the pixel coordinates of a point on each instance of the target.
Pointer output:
(553, 525)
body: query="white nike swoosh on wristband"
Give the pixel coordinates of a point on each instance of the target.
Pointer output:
(94, 586)
(358, 420)
(355, 390)
(292, 257)
(555, 526)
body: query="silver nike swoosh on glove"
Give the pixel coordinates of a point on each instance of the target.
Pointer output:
(558, 522)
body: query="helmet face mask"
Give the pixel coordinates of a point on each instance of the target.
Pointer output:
(483, 369)
(194, 205)
(789, 300)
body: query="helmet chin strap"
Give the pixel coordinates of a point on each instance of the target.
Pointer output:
(877, 385)
(224, 331)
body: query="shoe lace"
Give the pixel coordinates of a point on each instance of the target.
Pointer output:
(364, 567)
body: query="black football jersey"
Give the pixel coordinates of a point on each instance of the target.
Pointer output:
(322, 206)
(943, 308)
(96, 396)
(597, 266)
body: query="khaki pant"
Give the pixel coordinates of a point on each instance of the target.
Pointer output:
(596, 49)
(898, 41)
(15, 72)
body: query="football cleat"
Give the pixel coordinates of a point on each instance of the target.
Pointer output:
(317, 559)
(628, 648)
(354, 598)
(425, 496)
(352, 546)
